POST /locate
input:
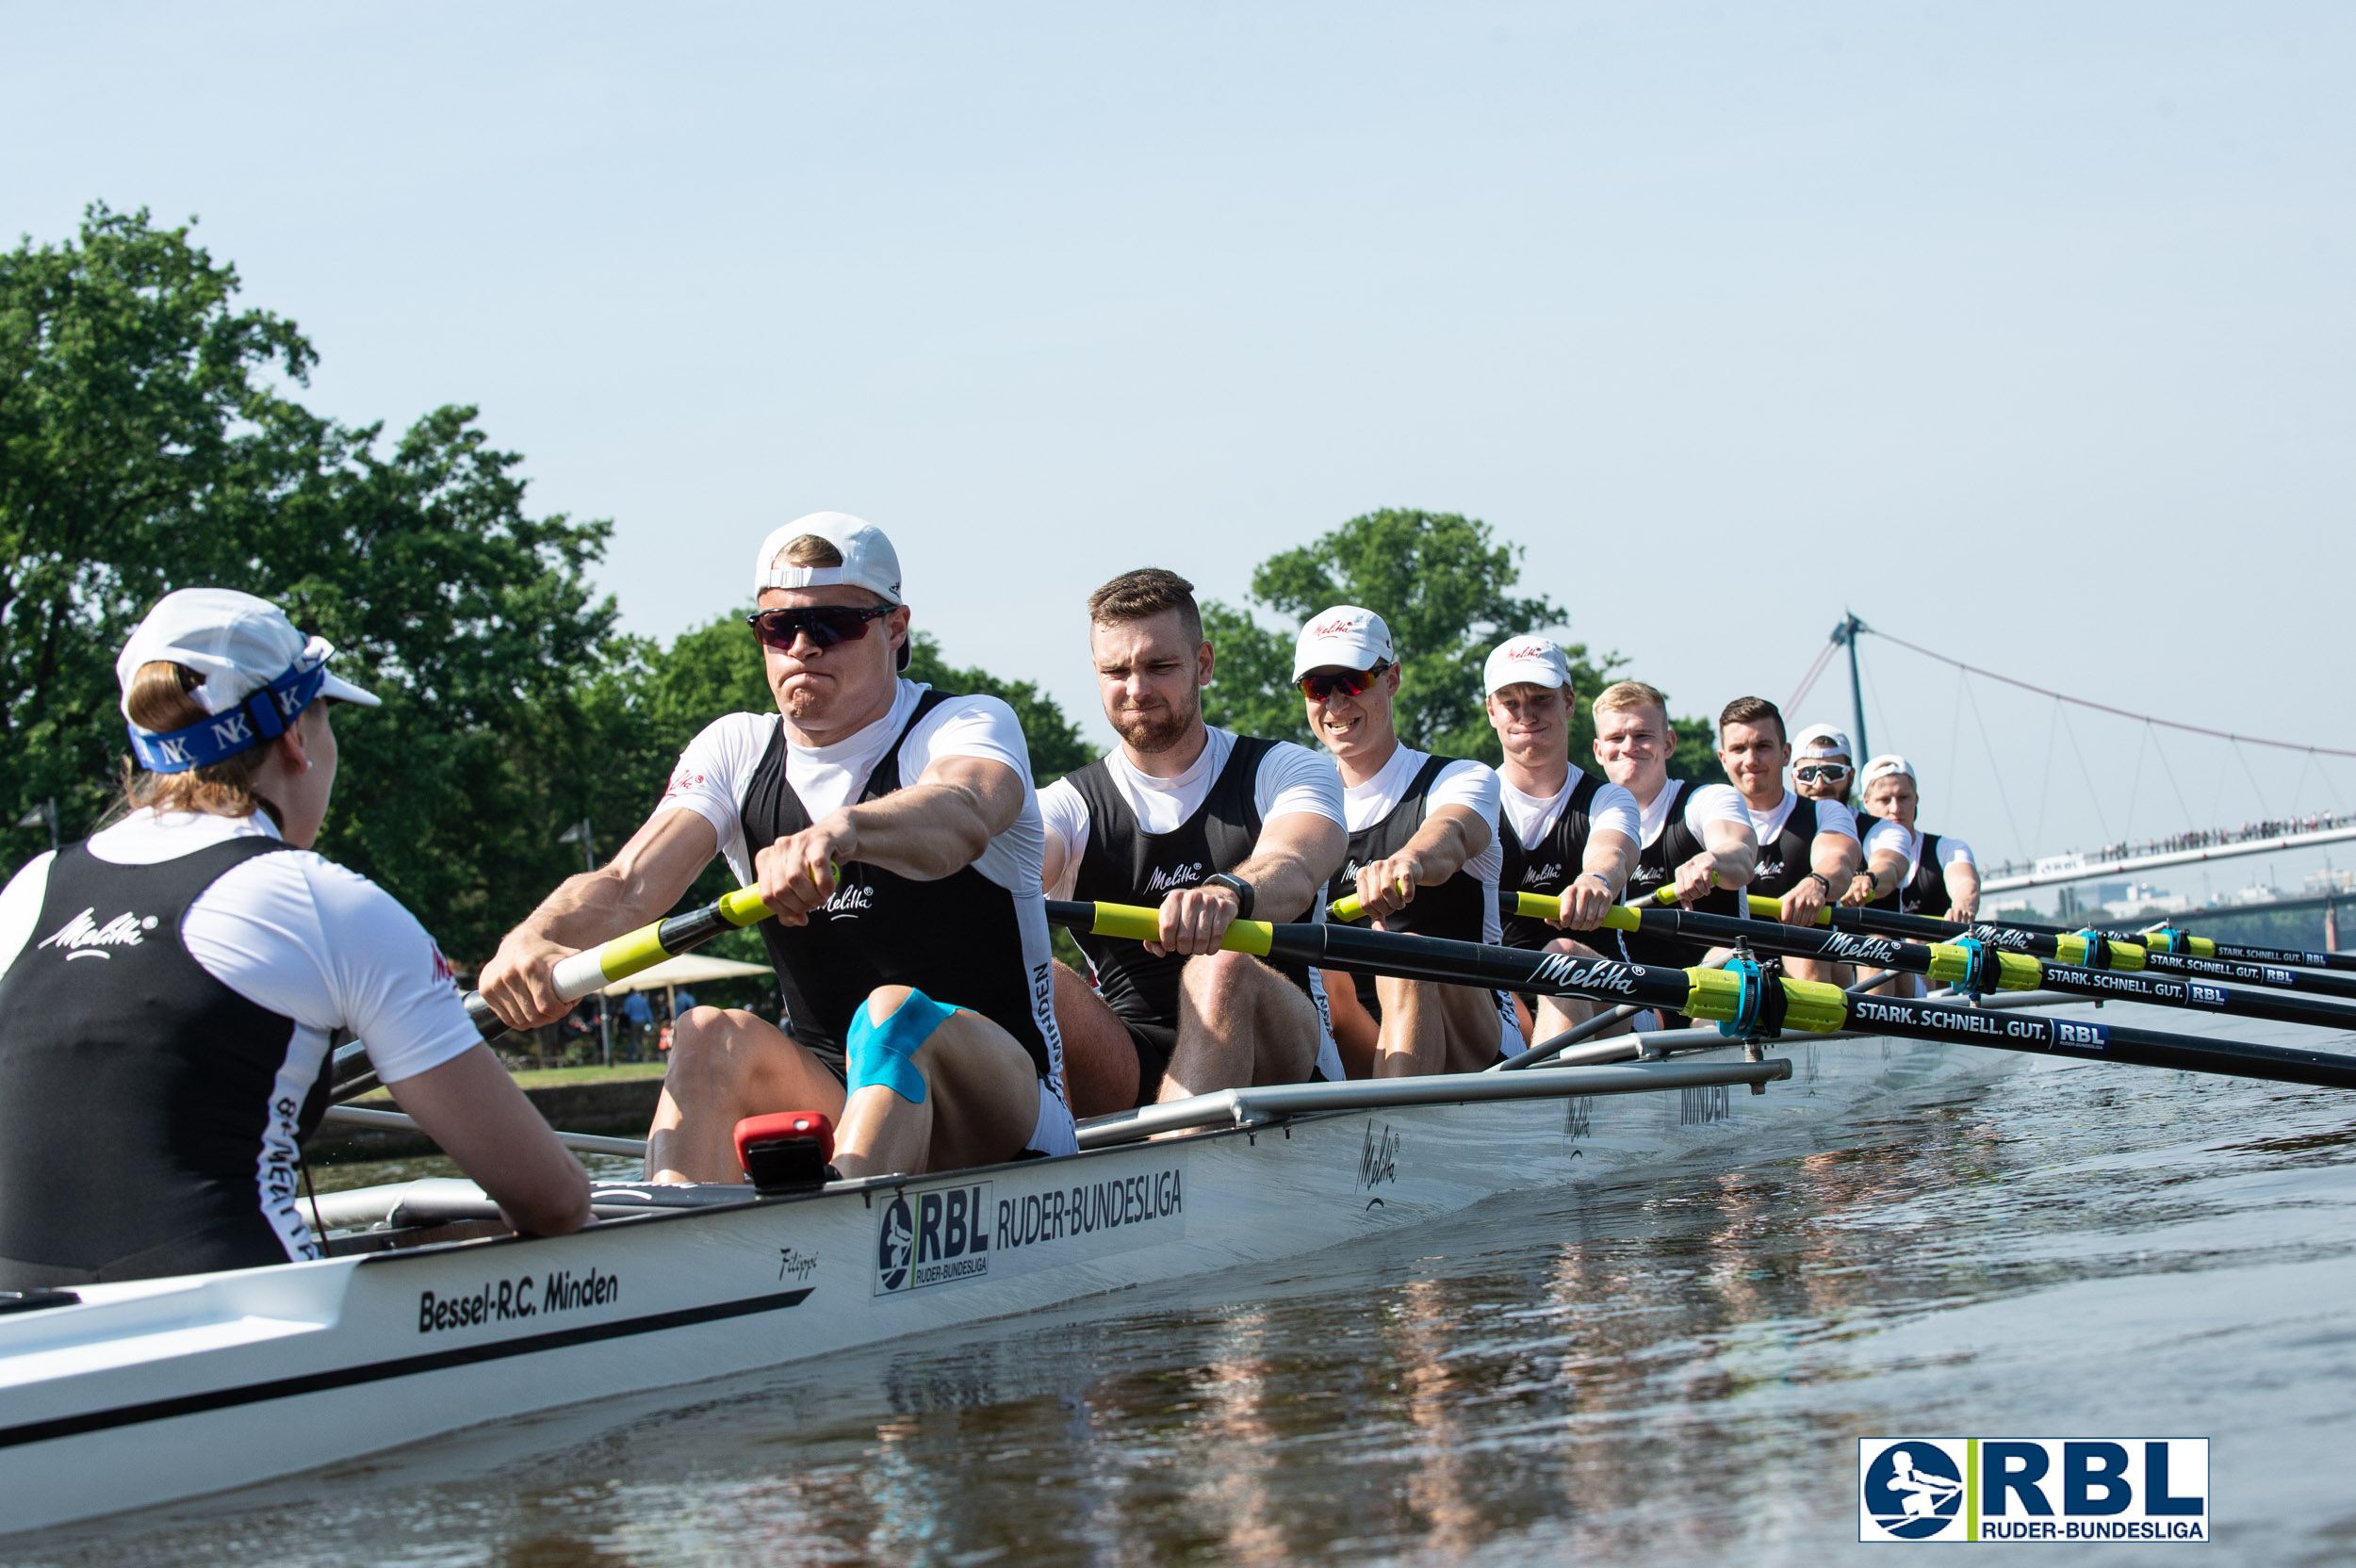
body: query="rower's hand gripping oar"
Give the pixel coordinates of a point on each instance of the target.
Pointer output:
(593, 969)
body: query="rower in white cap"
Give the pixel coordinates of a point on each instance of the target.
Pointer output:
(1565, 833)
(1910, 871)
(1822, 763)
(896, 832)
(1423, 858)
(174, 985)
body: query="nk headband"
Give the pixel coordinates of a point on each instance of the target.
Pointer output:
(263, 715)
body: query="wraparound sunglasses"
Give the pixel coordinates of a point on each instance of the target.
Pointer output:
(826, 624)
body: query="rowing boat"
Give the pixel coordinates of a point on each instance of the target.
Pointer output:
(422, 1322)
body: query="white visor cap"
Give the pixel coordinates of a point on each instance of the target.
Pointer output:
(1821, 739)
(238, 643)
(1343, 638)
(1525, 661)
(868, 559)
(1886, 764)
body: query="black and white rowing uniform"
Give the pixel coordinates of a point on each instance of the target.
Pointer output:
(1787, 842)
(1129, 838)
(1928, 856)
(975, 939)
(1674, 830)
(1383, 815)
(172, 990)
(1544, 843)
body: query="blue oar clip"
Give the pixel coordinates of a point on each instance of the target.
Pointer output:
(1756, 1010)
(1985, 967)
(2098, 948)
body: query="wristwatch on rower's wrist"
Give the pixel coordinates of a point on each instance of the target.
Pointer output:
(1241, 889)
(1821, 882)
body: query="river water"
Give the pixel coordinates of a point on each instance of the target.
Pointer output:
(1669, 1369)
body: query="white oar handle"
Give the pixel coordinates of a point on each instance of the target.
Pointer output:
(582, 974)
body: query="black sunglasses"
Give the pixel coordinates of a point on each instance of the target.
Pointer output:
(826, 624)
(1349, 683)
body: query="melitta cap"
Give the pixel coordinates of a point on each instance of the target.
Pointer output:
(1821, 739)
(868, 559)
(1525, 661)
(1343, 638)
(1886, 764)
(259, 672)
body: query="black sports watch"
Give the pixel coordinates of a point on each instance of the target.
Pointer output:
(1241, 889)
(1820, 882)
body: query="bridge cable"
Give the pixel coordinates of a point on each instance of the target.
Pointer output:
(1996, 773)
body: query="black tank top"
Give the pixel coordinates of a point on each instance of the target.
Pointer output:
(1656, 868)
(1547, 866)
(137, 1091)
(1125, 864)
(1455, 909)
(960, 940)
(1784, 860)
(1926, 892)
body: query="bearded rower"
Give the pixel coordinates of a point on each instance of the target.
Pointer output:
(1211, 827)
(894, 831)
(1822, 765)
(1566, 833)
(1807, 849)
(175, 985)
(1423, 858)
(1694, 838)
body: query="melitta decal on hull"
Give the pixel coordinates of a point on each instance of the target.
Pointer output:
(970, 1231)
(1859, 948)
(1603, 974)
(511, 1300)
(82, 937)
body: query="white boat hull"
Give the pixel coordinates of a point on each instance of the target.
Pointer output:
(167, 1389)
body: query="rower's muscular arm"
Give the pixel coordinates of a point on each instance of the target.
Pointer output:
(1729, 856)
(1834, 858)
(640, 884)
(1963, 892)
(1448, 839)
(1885, 869)
(1603, 874)
(933, 829)
(1287, 870)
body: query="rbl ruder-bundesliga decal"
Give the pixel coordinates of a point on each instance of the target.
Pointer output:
(2033, 1487)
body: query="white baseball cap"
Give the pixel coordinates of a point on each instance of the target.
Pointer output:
(1519, 660)
(1821, 739)
(1345, 637)
(868, 559)
(1886, 764)
(258, 673)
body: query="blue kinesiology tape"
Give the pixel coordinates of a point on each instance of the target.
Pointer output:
(880, 1053)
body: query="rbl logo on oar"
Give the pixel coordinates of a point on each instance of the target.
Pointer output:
(2033, 1489)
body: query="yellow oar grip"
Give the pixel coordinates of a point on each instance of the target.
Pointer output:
(742, 907)
(1717, 995)
(1139, 925)
(626, 955)
(1620, 917)
(1773, 908)
(1345, 908)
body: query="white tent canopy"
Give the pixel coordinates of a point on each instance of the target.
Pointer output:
(689, 969)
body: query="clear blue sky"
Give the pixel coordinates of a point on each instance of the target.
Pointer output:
(2025, 330)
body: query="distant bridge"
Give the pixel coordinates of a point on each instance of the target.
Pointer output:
(2184, 849)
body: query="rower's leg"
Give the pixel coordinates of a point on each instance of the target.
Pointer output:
(726, 1066)
(1558, 1013)
(1473, 1026)
(1811, 969)
(1239, 1024)
(1100, 1060)
(980, 1100)
(1356, 1033)
(1414, 1038)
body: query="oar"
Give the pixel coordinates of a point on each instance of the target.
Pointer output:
(2073, 948)
(2165, 938)
(593, 969)
(1976, 966)
(1733, 996)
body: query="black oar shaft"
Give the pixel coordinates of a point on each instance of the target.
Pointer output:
(2097, 1042)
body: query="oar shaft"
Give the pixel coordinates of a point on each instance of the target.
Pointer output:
(593, 969)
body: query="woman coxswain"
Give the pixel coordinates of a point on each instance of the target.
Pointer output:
(172, 986)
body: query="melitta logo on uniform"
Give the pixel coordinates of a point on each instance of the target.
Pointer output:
(851, 899)
(1538, 876)
(84, 937)
(1165, 880)
(1970, 1489)
(506, 1300)
(1335, 626)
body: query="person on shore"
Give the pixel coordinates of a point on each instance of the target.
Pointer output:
(1807, 849)
(1565, 834)
(1208, 827)
(172, 985)
(894, 831)
(1695, 839)
(1423, 856)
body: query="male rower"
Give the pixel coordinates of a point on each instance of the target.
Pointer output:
(1822, 765)
(1210, 827)
(894, 831)
(1423, 858)
(1912, 872)
(1565, 834)
(1807, 849)
(1694, 838)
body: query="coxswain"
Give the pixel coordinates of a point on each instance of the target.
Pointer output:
(1423, 858)
(1919, 874)
(894, 831)
(1694, 838)
(1208, 827)
(1807, 849)
(1565, 833)
(176, 983)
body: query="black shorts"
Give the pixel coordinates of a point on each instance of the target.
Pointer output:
(1153, 1043)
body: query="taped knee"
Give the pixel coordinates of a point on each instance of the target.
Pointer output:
(882, 1053)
